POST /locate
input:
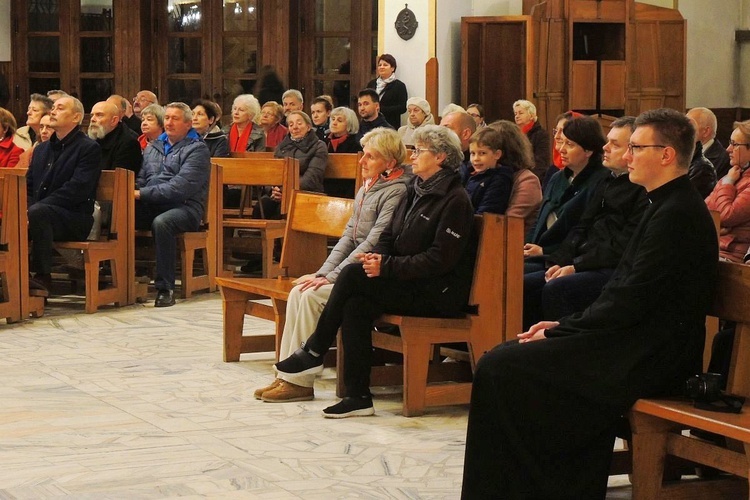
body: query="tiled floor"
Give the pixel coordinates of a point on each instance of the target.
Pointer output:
(137, 403)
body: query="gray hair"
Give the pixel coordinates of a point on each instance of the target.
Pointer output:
(77, 107)
(304, 116)
(156, 111)
(293, 93)
(252, 104)
(352, 122)
(528, 106)
(187, 112)
(440, 140)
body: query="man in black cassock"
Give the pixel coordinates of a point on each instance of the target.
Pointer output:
(544, 410)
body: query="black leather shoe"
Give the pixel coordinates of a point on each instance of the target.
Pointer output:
(164, 298)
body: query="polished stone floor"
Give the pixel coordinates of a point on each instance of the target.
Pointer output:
(136, 403)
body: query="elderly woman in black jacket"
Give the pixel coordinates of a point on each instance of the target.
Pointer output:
(303, 144)
(421, 266)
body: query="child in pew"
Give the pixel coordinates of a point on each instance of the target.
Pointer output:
(489, 178)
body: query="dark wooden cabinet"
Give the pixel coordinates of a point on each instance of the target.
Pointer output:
(604, 57)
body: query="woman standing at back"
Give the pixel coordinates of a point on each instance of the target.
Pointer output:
(391, 90)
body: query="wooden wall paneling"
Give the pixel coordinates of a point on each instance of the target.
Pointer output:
(275, 43)
(504, 71)
(673, 60)
(544, 9)
(432, 82)
(647, 54)
(583, 83)
(613, 85)
(471, 43)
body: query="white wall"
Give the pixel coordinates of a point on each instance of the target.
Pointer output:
(411, 55)
(713, 58)
(4, 30)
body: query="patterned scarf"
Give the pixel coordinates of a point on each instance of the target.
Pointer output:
(380, 83)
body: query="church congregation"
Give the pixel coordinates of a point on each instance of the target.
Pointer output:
(606, 235)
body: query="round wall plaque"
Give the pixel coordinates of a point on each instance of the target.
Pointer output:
(406, 23)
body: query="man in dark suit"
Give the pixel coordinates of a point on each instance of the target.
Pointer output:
(544, 410)
(706, 134)
(61, 181)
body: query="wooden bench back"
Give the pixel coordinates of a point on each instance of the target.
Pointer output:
(251, 172)
(732, 303)
(13, 241)
(112, 190)
(498, 274)
(344, 166)
(313, 218)
(8, 228)
(258, 155)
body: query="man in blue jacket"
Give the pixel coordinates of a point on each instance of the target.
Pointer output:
(61, 182)
(171, 191)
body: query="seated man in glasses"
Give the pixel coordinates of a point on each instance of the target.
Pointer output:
(544, 410)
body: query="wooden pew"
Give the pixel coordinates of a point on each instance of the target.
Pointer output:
(251, 172)
(30, 305)
(10, 255)
(342, 167)
(313, 218)
(258, 155)
(658, 424)
(497, 301)
(113, 245)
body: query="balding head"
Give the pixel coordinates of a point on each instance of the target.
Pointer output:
(142, 99)
(706, 123)
(120, 103)
(104, 119)
(462, 124)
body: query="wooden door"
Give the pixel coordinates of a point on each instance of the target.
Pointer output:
(71, 45)
(497, 63)
(337, 48)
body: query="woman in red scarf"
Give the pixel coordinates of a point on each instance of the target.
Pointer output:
(246, 134)
(525, 117)
(344, 128)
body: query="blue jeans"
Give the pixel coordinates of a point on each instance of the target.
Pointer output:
(165, 223)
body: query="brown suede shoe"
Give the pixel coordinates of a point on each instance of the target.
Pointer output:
(287, 391)
(259, 392)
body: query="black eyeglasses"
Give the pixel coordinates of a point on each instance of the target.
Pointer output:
(735, 144)
(637, 147)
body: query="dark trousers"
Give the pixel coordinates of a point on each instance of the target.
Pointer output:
(531, 433)
(165, 224)
(50, 223)
(560, 297)
(355, 302)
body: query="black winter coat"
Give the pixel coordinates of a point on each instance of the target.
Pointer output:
(65, 173)
(392, 101)
(429, 241)
(120, 148)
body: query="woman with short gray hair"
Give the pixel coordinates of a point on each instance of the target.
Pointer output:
(152, 124)
(421, 266)
(344, 127)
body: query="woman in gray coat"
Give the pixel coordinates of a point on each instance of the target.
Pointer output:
(384, 185)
